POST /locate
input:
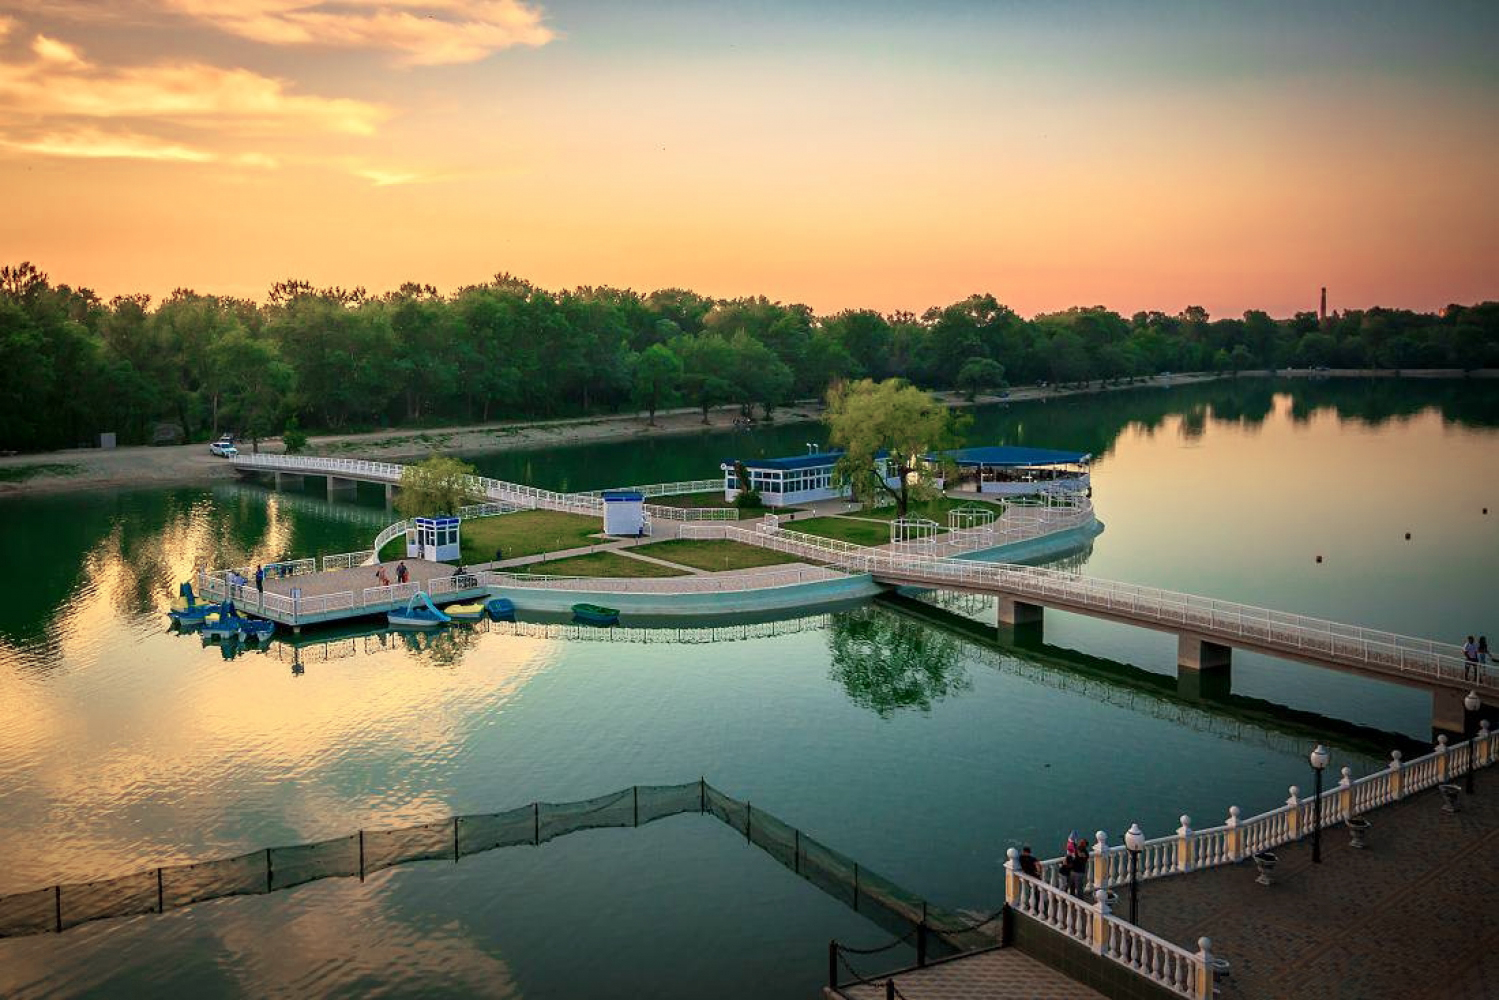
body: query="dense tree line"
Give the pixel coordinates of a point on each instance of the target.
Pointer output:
(337, 359)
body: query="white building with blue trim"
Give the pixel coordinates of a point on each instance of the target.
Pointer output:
(785, 482)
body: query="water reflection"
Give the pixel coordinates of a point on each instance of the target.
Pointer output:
(886, 663)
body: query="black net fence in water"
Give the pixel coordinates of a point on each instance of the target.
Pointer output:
(153, 891)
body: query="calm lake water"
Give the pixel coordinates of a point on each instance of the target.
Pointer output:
(923, 750)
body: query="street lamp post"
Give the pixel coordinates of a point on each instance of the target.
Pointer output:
(1134, 841)
(1471, 705)
(1319, 760)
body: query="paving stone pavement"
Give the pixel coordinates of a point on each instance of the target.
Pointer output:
(1001, 974)
(1414, 915)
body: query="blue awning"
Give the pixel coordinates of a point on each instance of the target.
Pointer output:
(1007, 456)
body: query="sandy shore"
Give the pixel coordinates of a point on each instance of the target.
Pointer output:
(92, 468)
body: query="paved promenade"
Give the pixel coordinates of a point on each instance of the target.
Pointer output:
(1001, 974)
(1414, 915)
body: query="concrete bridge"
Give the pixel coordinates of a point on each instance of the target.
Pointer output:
(1207, 630)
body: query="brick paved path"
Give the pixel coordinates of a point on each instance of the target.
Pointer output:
(1001, 974)
(1414, 915)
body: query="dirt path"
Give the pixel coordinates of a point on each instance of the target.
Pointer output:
(93, 468)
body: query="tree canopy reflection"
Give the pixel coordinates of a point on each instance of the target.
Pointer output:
(887, 663)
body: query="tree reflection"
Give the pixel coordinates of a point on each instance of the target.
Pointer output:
(887, 663)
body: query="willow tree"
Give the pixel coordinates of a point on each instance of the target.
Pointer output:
(438, 485)
(894, 424)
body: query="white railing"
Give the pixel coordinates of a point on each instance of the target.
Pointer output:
(1092, 925)
(666, 489)
(348, 560)
(390, 532)
(696, 584)
(692, 513)
(1275, 631)
(498, 490)
(1237, 838)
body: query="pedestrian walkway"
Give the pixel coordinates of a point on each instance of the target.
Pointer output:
(1410, 916)
(997, 974)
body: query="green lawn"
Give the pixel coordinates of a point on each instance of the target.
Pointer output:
(21, 473)
(846, 529)
(712, 498)
(599, 564)
(524, 533)
(936, 510)
(714, 554)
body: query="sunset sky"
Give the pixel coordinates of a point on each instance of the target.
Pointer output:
(897, 156)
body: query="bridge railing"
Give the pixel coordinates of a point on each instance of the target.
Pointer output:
(348, 560)
(666, 489)
(1212, 617)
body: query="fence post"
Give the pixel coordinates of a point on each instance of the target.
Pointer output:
(1293, 818)
(1441, 752)
(160, 895)
(267, 869)
(1184, 845)
(455, 840)
(1397, 776)
(1204, 969)
(536, 822)
(361, 855)
(57, 901)
(796, 850)
(832, 965)
(1012, 876)
(1100, 858)
(921, 944)
(1100, 920)
(1345, 795)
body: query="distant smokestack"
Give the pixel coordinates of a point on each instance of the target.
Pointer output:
(1322, 313)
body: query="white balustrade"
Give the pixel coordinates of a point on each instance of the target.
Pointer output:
(695, 584)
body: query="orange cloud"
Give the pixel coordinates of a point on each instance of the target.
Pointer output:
(61, 83)
(92, 144)
(421, 32)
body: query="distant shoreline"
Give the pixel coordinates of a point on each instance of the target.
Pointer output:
(179, 465)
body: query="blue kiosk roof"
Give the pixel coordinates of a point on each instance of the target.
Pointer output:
(1010, 456)
(813, 461)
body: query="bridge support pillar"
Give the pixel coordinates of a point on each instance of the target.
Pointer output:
(1193, 652)
(287, 479)
(1013, 612)
(1447, 713)
(1205, 685)
(337, 485)
(390, 493)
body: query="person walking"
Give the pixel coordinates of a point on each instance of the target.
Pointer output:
(260, 581)
(382, 576)
(1470, 659)
(402, 573)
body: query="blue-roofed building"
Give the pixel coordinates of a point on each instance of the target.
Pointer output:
(1009, 470)
(786, 482)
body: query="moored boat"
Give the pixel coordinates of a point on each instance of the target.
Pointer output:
(425, 616)
(464, 612)
(501, 609)
(259, 629)
(596, 614)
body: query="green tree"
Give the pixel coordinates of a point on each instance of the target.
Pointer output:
(867, 419)
(436, 486)
(979, 375)
(658, 373)
(261, 386)
(1239, 359)
(707, 360)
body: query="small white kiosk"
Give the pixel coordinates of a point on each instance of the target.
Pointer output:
(434, 538)
(624, 512)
